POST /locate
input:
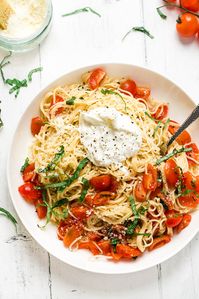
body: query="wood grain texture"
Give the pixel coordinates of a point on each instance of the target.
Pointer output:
(27, 271)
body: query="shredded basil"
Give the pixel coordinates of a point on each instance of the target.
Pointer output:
(30, 74)
(62, 185)
(71, 101)
(23, 167)
(184, 193)
(3, 63)
(173, 153)
(161, 14)
(157, 127)
(109, 91)
(84, 190)
(16, 85)
(142, 234)
(55, 160)
(149, 116)
(139, 29)
(80, 10)
(132, 226)
(8, 215)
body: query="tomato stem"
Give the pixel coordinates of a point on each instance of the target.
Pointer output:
(178, 6)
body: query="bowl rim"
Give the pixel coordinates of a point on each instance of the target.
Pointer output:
(42, 91)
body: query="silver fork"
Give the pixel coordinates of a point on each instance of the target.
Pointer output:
(190, 119)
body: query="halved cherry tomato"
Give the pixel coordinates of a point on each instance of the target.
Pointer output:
(150, 178)
(161, 112)
(101, 182)
(173, 218)
(102, 198)
(188, 180)
(197, 184)
(188, 25)
(166, 199)
(96, 78)
(72, 234)
(130, 86)
(105, 246)
(36, 124)
(80, 211)
(93, 236)
(184, 223)
(64, 225)
(115, 256)
(29, 193)
(159, 242)
(189, 201)
(192, 5)
(29, 172)
(142, 92)
(127, 251)
(194, 154)
(172, 172)
(140, 192)
(40, 209)
(58, 99)
(183, 138)
(90, 245)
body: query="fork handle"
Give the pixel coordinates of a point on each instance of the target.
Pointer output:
(192, 117)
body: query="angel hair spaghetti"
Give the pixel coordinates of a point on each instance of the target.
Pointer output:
(98, 169)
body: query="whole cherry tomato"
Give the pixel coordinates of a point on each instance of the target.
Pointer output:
(187, 26)
(192, 5)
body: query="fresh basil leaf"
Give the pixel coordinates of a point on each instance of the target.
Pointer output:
(139, 29)
(80, 10)
(86, 186)
(23, 167)
(30, 74)
(173, 153)
(55, 160)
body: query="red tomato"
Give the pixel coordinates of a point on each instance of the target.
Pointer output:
(161, 112)
(150, 178)
(130, 86)
(188, 25)
(29, 172)
(80, 211)
(36, 124)
(173, 218)
(197, 184)
(102, 198)
(184, 223)
(173, 126)
(72, 234)
(41, 210)
(29, 193)
(189, 201)
(105, 246)
(183, 138)
(142, 92)
(192, 5)
(189, 181)
(159, 242)
(172, 172)
(96, 78)
(92, 236)
(194, 154)
(101, 182)
(90, 245)
(166, 199)
(64, 225)
(57, 99)
(140, 192)
(127, 251)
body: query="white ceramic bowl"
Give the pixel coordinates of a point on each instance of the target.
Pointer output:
(180, 107)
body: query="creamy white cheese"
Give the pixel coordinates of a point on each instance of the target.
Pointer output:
(27, 17)
(108, 136)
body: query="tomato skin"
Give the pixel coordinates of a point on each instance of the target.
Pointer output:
(184, 223)
(105, 246)
(197, 184)
(41, 210)
(101, 182)
(188, 180)
(168, 202)
(150, 178)
(159, 242)
(28, 172)
(172, 172)
(183, 138)
(140, 192)
(90, 245)
(127, 251)
(192, 5)
(72, 233)
(188, 26)
(173, 218)
(92, 236)
(142, 92)
(96, 78)
(189, 201)
(36, 124)
(58, 99)
(102, 198)
(161, 112)
(64, 225)
(130, 86)
(80, 211)
(193, 154)
(29, 193)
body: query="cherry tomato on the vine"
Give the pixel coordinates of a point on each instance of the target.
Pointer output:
(187, 25)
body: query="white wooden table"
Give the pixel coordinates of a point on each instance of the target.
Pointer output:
(29, 272)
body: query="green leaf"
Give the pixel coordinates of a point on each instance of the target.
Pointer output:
(59, 203)
(23, 167)
(147, 114)
(86, 186)
(157, 127)
(30, 74)
(138, 29)
(132, 226)
(161, 14)
(173, 153)
(82, 10)
(3, 63)
(8, 215)
(71, 101)
(55, 160)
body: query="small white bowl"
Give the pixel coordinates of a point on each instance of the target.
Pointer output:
(180, 107)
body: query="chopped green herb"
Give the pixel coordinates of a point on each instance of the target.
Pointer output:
(114, 243)
(62, 185)
(71, 101)
(184, 193)
(166, 123)
(109, 91)
(23, 167)
(157, 127)
(8, 215)
(3, 63)
(16, 85)
(161, 14)
(149, 116)
(30, 74)
(142, 210)
(142, 234)
(139, 29)
(55, 160)
(132, 226)
(173, 153)
(84, 190)
(80, 10)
